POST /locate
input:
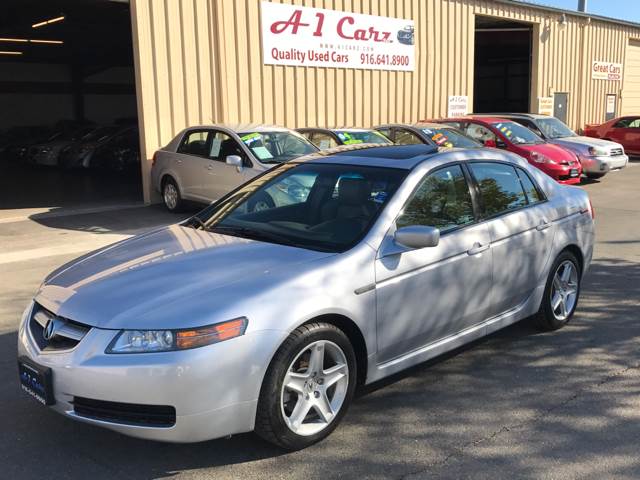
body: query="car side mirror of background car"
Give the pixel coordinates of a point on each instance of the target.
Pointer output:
(490, 143)
(234, 160)
(417, 236)
(500, 144)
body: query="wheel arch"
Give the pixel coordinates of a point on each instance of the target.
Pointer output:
(353, 333)
(577, 252)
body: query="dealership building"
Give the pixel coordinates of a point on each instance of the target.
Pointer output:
(175, 63)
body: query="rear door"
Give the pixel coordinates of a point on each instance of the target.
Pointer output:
(190, 161)
(518, 218)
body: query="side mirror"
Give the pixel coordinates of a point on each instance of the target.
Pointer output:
(500, 144)
(417, 236)
(490, 143)
(234, 160)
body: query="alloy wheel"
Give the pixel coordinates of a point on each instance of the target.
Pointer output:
(170, 196)
(314, 388)
(564, 290)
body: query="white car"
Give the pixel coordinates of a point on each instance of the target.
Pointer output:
(204, 163)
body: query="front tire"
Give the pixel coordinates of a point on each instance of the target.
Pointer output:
(595, 176)
(561, 293)
(171, 195)
(308, 387)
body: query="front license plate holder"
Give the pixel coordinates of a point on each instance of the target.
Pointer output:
(36, 381)
(573, 172)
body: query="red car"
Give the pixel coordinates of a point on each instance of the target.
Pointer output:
(560, 164)
(624, 130)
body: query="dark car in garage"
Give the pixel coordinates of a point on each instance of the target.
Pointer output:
(79, 154)
(119, 153)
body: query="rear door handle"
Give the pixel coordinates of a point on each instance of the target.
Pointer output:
(478, 248)
(543, 225)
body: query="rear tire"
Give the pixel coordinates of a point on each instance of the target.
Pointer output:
(561, 293)
(308, 387)
(171, 195)
(595, 176)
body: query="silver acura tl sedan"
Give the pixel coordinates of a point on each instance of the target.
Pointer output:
(237, 320)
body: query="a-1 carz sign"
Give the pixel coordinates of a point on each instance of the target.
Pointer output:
(316, 37)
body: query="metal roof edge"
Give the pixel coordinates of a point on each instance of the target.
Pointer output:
(575, 13)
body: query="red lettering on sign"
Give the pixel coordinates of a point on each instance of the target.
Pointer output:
(294, 21)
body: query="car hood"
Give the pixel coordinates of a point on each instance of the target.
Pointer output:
(135, 283)
(583, 143)
(554, 152)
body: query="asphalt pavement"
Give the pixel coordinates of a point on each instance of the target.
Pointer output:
(518, 404)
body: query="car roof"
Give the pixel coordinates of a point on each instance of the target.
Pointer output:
(534, 116)
(334, 129)
(417, 125)
(374, 155)
(243, 127)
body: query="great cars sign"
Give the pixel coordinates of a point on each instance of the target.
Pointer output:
(606, 70)
(315, 37)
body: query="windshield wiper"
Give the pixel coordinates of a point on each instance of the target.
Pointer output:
(199, 222)
(254, 234)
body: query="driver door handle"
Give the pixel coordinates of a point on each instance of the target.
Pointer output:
(478, 248)
(543, 225)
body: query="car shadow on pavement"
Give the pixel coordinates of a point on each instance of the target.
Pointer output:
(460, 409)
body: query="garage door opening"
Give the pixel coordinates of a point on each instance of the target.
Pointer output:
(68, 132)
(502, 75)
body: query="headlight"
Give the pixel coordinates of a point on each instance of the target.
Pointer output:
(540, 158)
(598, 151)
(145, 341)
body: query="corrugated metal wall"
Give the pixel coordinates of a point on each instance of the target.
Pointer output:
(200, 61)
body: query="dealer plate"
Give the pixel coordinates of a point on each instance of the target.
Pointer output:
(36, 381)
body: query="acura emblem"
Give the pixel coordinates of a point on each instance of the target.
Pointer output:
(51, 329)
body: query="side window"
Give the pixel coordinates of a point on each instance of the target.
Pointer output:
(500, 187)
(635, 123)
(222, 145)
(531, 126)
(405, 137)
(479, 133)
(323, 140)
(386, 132)
(533, 194)
(442, 200)
(195, 143)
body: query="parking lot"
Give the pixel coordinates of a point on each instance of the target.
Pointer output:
(518, 404)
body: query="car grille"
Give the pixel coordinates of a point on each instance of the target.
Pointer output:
(614, 152)
(125, 413)
(67, 334)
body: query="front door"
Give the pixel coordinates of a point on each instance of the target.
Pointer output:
(560, 106)
(519, 222)
(427, 294)
(220, 177)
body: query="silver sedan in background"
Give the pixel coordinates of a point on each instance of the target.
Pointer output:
(204, 163)
(238, 320)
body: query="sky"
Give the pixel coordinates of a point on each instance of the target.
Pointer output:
(624, 9)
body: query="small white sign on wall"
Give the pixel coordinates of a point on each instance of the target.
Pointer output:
(545, 106)
(458, 106)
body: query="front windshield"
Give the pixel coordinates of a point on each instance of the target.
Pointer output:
(352, 137)
(554, 128)
(518, 134)
(325, 207)
(450, 137)
(277, 147)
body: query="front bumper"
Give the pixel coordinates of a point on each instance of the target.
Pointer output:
(603, 164)
(213, 389)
